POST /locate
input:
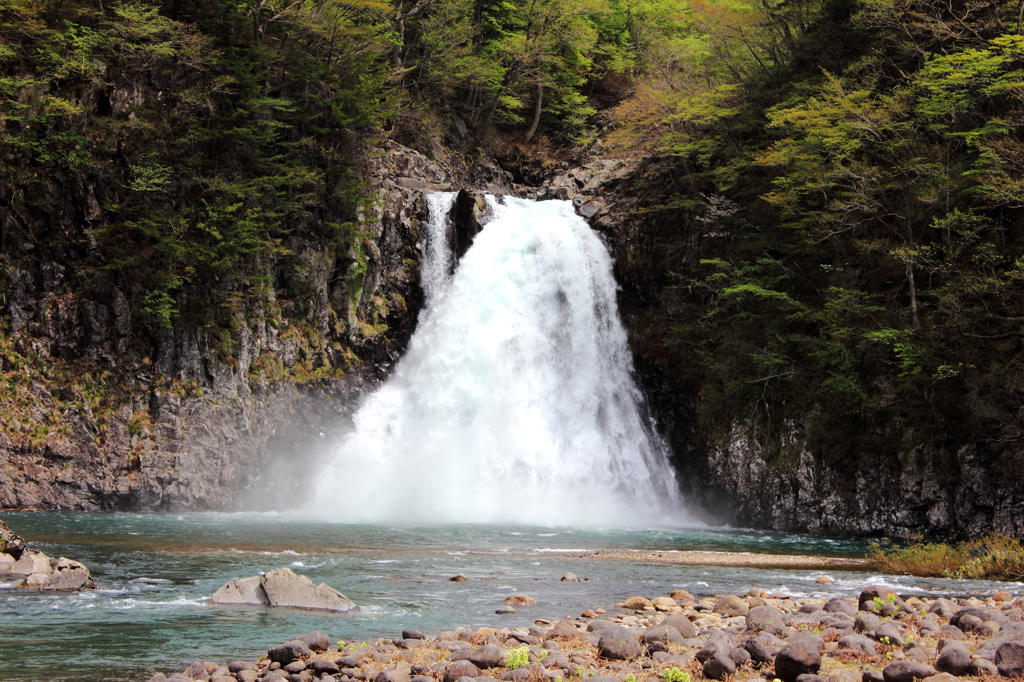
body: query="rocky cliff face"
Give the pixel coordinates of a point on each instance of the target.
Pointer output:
(106, 417)
(902, 497)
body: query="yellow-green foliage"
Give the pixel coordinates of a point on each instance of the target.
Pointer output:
(517, 658)
(993, 557)
(924, 560)
(39, 395)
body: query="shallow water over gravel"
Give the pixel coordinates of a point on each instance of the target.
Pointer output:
(156, 572)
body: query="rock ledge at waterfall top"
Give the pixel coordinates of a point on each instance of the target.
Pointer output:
(283, 587)
(39, 571)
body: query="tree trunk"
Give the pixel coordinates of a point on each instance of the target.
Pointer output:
(478, 28)
(536, 113)
(911, 283)
(396, 51)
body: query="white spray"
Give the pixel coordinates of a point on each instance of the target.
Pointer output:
(435, 272)
(515, 401)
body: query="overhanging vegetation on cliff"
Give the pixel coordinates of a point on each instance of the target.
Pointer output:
(838, 245)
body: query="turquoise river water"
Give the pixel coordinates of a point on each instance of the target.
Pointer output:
(156, 571)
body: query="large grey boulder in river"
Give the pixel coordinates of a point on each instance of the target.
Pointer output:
(282, 587)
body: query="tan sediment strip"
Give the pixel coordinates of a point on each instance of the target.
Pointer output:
(698, 558)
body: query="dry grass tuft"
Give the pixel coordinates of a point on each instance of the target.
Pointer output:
(993, 557)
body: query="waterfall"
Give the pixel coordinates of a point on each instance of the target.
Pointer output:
(515, 401)
(435, 272)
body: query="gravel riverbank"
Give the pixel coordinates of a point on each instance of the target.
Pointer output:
(705, 558)
(874, 636)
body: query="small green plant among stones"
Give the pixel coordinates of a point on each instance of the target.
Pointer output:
(517, 658)
(630, 678)
(674, 675)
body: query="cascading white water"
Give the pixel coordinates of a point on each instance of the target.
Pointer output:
(435, 271)
(515, 401)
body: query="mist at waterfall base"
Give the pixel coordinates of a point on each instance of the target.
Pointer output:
(514, 402)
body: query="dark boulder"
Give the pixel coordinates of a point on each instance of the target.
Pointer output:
(859, 643)
(730, 606)
(400, 672)
(459, 669)
(982, 667)
(469, 215)
(766, 618)
(867, 598)
(288, 652)
(887, 633)
(718, 666)
(952, 632)
(321, 666)
(562, 629)
(618, 643)
(555, 659)
(317, 641)
(943, 607)
(487, 656)
(968, 622)
(762, 650)
(719, 642)
(866, 622)
(663, 633)
(1010, 659)
(840, 605)
(740, 656)
(800, 654)
(955, 659)
(680, 623)
(907, 671)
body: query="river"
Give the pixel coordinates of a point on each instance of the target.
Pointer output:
(156, 571)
